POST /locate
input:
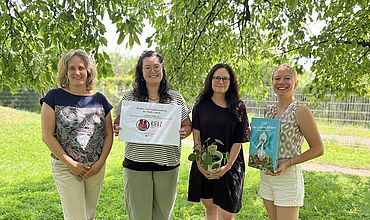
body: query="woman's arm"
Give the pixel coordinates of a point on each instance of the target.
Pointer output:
(116, 126)
(108, 141)
(185, 129)
(308, 127)
(196, 139)
(48, 130)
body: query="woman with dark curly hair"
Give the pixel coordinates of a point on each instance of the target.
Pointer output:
(151, 170)
(220, 114)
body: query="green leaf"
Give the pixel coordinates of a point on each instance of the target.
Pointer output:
(38, 48)
(104, 41)
(120, 38)
(215, 166)
(219, 142)
(227, 156)
(161, 21)
(130, 42)
(207, 160)
(136, 39)
(192, 157)
(292, 4)
(32, 8)
(212, 148)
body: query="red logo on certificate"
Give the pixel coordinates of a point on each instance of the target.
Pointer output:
(142, 124)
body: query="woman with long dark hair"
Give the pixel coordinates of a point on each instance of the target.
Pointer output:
(219, 114)
(151, 170)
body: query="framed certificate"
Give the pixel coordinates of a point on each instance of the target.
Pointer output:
(150, 123)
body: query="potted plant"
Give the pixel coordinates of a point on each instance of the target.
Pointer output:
(208, 155)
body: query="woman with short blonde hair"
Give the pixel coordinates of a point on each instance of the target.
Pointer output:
(282, 190)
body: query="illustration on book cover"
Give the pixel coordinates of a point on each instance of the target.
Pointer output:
(264, 142)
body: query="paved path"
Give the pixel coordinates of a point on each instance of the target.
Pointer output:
(330, 168)
(317, 167)
(347, 140)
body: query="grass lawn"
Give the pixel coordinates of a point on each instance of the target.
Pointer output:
(339, 155)
(343, 129)
(27, 188)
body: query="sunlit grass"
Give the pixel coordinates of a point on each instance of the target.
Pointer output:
(343, 156)
(342, 129)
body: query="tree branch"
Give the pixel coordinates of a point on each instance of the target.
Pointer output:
(277, 5)
(362, 43)
(20, 17)
(359, 59)
(199, 6)
(200, 33)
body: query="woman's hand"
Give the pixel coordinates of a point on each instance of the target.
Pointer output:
(248, 134)
(206, 174)
(222, 170)
(185, 129)
(183, 133)
(78, 170)
(282, 166)
(116, 129)
(94, 169)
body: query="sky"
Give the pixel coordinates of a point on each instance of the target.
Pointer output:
(111, 35)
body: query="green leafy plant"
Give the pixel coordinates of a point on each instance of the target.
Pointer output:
(208, 155)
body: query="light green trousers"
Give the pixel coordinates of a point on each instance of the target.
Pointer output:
(150, 195)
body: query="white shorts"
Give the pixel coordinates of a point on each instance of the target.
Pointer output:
(286, 190)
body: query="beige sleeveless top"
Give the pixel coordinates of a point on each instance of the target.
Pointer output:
(291, 137)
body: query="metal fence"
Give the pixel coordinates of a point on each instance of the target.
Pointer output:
(351, 116)
(353, 110)
(341, 114)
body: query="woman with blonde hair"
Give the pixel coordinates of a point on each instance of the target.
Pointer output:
(283, 191)
(77, 127)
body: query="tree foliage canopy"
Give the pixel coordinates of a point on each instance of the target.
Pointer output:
(193, 35)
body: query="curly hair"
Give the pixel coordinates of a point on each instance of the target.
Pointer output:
(140, 90)
(232, 97)
(62, 77)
